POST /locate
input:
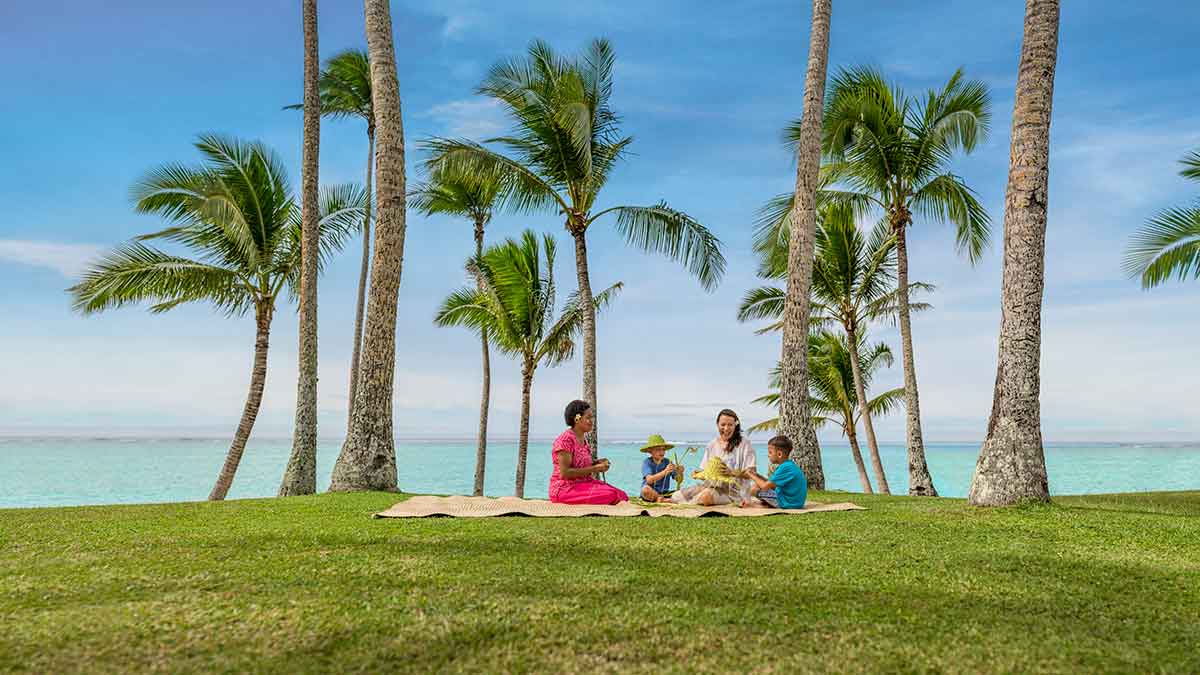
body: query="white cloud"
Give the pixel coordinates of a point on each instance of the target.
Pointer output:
(66, 259)
(470, 118)
(458, 24)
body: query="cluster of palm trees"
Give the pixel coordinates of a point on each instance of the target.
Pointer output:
(868, 148)
(250, 241)
(557, 159)
(867, 152)
(565, 143)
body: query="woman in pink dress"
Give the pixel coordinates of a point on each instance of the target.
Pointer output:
(571, 480)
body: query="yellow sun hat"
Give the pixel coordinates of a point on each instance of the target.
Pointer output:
(656, 441)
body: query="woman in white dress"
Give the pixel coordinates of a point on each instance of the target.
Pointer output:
(735, 453)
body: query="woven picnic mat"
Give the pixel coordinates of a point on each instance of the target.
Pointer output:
(424, 506)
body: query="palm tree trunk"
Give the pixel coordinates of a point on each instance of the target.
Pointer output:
(1012, 462)
(920, 483)
(258, 380)
(523, 445)
(523, 442)
(860, 391)
(368, 457)
(579, 232)
(364, 269)
(795, 420)
(300, 477)
(485, 396)
(856, 453)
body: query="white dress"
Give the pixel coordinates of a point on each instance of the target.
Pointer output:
(741, 458)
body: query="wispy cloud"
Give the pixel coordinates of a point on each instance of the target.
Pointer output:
(472, 118)
(459, 23)
(66, 259)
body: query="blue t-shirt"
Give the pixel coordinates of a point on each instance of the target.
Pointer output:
(649, 467)
(791, 487)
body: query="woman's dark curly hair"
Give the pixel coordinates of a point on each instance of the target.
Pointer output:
(736, 439)
(575, 409)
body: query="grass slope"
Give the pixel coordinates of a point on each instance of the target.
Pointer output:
(1107, 583)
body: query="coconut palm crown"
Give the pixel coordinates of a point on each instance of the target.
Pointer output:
(236, 214)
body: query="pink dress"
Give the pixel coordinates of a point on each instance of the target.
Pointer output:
(585, 490)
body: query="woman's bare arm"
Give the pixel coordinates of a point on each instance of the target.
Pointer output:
(565, 470)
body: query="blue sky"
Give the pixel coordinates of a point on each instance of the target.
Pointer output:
(96, 95)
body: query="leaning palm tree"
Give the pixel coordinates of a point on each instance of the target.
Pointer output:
(300, 476)
(513, 303)
(832, 390)
(794, 406)
(888, 151)
(854, 284)
(474, 199)
(1012, 462)
(345, 92)
(368, 457)
(565, 145)
(1168, 245)
(237, 215)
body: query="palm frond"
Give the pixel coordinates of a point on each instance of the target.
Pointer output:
(764, 302)
(344, 86)
(887, 402)
(662, 229)
(947, 198)
(1191, 165)
(135, 273)
(467, 161)
(1167, 246)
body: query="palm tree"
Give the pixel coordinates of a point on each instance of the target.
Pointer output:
(1169, 244)
(236, 214)
(513, 302)
(345, 92)
(832, 389)
(368, 457)
(566, 142)
(476, 200)
(794, 410)
(853, 285)
(889, 151)
(300, 477)
(1012, 462)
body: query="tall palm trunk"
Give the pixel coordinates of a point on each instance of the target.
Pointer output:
(368, 457)
(795, 419)
(258, 380)
(860, 391)
(1012, 462)
(523, 444)
(920, 483)
(856, 453)
(300, 477)
(363, 270)
(486, 395)
(579, 232)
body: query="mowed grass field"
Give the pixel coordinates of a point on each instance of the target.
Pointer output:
(1101, 583)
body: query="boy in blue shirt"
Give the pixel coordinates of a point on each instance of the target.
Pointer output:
(656, 470)
(787, 488)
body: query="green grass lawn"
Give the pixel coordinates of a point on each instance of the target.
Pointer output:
(1105, 583)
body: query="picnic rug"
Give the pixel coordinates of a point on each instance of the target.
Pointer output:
(425, 506)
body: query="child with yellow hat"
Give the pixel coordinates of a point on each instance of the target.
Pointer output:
(657, 472)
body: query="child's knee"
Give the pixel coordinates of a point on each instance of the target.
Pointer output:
(648, 493)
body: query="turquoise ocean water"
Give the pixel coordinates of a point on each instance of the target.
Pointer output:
(61, 472)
